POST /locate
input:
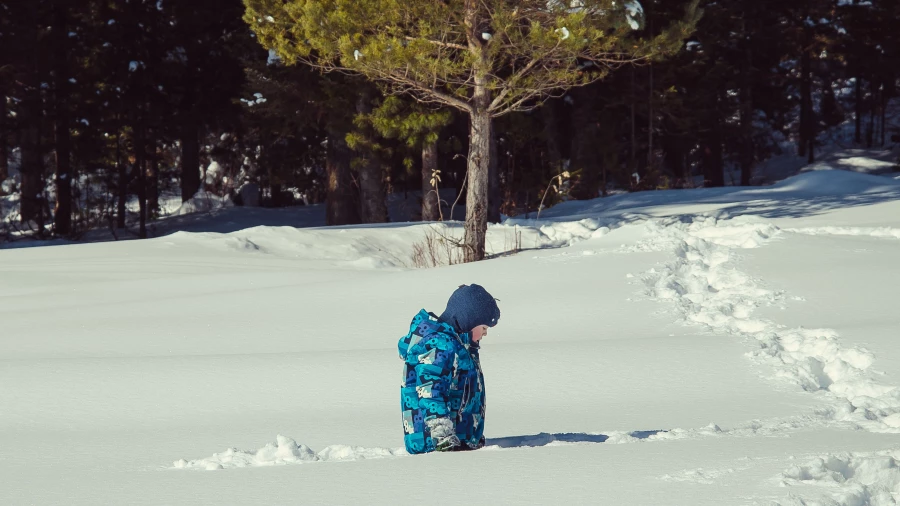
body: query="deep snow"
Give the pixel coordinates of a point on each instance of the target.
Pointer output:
(703, 347)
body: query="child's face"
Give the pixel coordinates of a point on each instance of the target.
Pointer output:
(479, 332)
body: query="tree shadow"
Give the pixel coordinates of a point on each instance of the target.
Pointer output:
(809, 194)
(545, 438)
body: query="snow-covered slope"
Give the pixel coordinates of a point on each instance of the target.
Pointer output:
(703, 347)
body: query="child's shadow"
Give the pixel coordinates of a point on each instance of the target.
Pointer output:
(544, 438)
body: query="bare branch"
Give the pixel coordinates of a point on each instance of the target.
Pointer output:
(440, 43)
(512, 80)
(398, 77)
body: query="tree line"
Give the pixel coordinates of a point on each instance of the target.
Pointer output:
(108, 105)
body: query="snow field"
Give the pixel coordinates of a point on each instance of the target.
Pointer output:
(625, 320)
(707, 289)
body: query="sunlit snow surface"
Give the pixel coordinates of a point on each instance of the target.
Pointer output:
(695, 347)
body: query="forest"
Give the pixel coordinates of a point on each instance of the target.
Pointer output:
(110, 107)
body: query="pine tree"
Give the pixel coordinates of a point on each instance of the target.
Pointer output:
(418, 127)
(62, 216)
(485, 58)
(206, 38)
(28, 52)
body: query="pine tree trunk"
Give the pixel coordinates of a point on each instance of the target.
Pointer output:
(30, 116)
(586, 133)
(858, 106)
(32, 165)
(4, 149)
(711, 141)
(883, 107)
(870, 128)
(340, 204)
(713, 173)
(632, 162)
(139, 170)
(480, 134)
(477, 189)
(746, 97)
(672, 145)
(811, 151)
(430, 199)
(190, 158)
(805, 98)
(371, 190)
(63, 212)
(121, 191)
(650, 164)
(152, 181)
(123, 183)
(552, 135)
(371, 175)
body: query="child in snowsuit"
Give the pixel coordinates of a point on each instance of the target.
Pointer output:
(442, 394)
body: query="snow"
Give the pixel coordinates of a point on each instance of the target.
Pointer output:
(258, 99)
(868, 479)
(214, 173)
(693, 347)
(203, 201)
(633, 11)
(285, 451)
(273, 58)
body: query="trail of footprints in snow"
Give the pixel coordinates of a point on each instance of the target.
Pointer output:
(283, 452)
(707, 289)
(850, 479)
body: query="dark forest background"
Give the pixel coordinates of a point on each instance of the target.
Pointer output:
(103, 103)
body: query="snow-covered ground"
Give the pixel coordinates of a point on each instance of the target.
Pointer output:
(690, 347)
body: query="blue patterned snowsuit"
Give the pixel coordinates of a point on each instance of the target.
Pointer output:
(442, 378)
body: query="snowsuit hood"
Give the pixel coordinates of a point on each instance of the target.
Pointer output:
(470, 306)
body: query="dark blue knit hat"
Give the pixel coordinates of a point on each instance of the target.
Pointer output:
(469, 307)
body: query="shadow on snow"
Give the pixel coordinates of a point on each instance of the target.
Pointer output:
(544, 438)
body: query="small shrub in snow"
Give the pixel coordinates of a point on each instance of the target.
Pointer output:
(437, 249)
(560, 185)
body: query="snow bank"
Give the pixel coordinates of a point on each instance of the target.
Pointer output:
(705, 286)
(833, 183)
(828, 158)
(847, 479)
(886, 232)
(800, 195)
(392, 246)
(285, 451)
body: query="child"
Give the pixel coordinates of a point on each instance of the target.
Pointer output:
(442, 394)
